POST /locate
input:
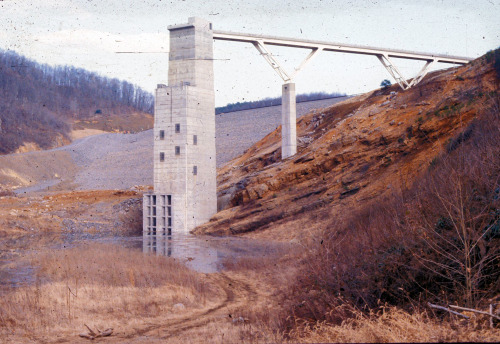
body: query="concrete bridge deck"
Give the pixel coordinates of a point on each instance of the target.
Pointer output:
(336, 47)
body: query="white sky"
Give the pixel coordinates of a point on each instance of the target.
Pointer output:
(88, 33)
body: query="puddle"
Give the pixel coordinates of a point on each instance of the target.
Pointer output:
(15, 273)
(207, 254)
(204, 254)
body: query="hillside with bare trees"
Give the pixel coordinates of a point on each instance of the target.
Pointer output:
(39, 104)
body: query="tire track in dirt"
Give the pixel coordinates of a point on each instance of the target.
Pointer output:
(238, 293)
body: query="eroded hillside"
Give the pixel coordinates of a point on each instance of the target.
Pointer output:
(348, 154)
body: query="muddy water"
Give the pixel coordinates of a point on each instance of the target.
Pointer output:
(201, 253)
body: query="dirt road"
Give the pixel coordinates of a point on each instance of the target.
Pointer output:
(239, 294)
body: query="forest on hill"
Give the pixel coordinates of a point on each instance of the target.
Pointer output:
(306, 97)
(38, 102)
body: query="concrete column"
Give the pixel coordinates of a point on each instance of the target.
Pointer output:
(289, 121)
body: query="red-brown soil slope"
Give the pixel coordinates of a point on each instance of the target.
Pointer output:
(348, 154)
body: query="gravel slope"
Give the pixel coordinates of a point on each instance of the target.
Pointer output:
(113, 161)
(237, 131)
(121, 161)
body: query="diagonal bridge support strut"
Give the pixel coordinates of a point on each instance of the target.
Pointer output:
(288, 98)
(273, 62)
(423, 72)
(398, 76)
(259, 45)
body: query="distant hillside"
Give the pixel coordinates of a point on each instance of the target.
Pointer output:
(307, 97)
(39, 104)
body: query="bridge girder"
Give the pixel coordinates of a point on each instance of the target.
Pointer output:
(384, 55)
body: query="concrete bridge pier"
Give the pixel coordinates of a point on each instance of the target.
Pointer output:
(288, 121)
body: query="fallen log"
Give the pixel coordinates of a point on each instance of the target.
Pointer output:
(476, 311)
(447, 309)
(92, 335)
(105, 333)
(85, 335)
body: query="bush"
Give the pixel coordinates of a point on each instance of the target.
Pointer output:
(385, 84)
(438, 241)
(496, 64)
(494, 56)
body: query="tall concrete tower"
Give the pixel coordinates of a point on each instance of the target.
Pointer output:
(184, 135)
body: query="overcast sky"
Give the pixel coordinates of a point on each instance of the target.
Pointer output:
(90, 33)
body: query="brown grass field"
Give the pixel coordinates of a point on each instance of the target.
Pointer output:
(101, 286)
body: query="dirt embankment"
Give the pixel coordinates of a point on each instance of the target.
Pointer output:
(93, 212)
(119, 123)
(347, 154)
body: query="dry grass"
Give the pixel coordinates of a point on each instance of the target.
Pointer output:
(266, 321)
(393, 325)
(111, 265)
(122, 122)
(103, 286)
(107, 286)
(228, 332)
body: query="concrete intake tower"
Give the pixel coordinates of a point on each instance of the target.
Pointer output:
(185, 194)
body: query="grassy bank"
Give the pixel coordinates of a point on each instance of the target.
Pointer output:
(101, 286)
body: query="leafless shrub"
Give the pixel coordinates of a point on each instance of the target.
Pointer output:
(454, 215)
(438, 240)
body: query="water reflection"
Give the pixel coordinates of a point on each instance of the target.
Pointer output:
(205, 253)
(162, 246)
(201, 253)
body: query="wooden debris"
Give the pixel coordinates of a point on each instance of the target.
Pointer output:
(447, 309)
(490, 313)
(491, 318)
(93, 335)
(476, 311)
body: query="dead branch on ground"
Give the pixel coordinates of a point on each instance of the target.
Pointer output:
(490, 313)
(476, 311)
(92, 335)
(447, 309)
